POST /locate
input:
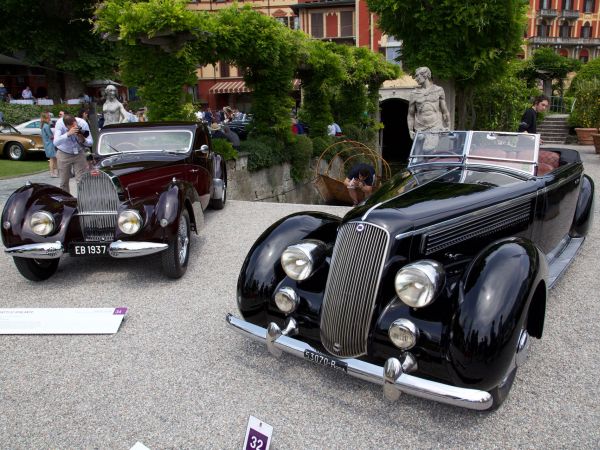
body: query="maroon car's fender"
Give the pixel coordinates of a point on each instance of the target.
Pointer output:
(32, 198)
(494, 300)
(177, 196)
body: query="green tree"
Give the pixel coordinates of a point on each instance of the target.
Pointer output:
(547, 65)
(588, 71)
(56, 34)
(498, 106)
(466, 41)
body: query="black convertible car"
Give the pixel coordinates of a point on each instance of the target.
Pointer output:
(435, 284)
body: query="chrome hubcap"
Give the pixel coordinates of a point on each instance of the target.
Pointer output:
(15, 152)
(183, 240)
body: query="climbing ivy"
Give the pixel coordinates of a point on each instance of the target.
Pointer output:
(162, 43)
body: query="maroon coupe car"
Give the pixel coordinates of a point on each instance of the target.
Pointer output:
(146, 192)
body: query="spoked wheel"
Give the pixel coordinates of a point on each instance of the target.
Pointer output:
(500, 392)
(15, 151)
(175, 258)
(36, 269)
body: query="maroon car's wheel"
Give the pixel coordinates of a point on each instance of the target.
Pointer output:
(219, 203)
(36, 269)
(175, 258)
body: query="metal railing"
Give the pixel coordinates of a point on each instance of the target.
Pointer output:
(561, 105)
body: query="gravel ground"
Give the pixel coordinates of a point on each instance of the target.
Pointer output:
(175, 376)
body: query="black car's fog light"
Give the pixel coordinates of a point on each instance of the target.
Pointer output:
(41, 223)
(403, 334)
(287, 300)
(419, 283)
(300, 260)
(129, 221)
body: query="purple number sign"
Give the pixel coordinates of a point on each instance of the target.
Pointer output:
(120, 311)
(256, 440)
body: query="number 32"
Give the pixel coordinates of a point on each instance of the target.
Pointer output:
(256, 443)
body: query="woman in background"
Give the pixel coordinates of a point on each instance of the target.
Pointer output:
(49, 148)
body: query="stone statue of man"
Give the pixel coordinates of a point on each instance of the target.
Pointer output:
(427, 110)
(113, 110)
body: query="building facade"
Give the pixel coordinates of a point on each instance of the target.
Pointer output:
(571, 27)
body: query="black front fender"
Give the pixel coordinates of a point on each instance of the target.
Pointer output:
(494, 297)
(262, 271)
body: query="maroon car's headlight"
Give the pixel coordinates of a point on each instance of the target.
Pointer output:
(419, 283)
(129, 221)
(41, 223)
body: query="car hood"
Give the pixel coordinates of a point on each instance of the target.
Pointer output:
(414, 200)
(130, 163)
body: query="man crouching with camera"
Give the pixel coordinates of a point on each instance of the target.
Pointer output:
(71, 138)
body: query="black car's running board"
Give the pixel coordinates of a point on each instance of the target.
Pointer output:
(561, 256)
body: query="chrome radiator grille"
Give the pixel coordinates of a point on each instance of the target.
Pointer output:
(349, 300)
(97, 204)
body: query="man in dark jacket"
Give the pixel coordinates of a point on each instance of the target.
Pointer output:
(529, 120)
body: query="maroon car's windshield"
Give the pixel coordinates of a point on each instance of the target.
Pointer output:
(174, 141)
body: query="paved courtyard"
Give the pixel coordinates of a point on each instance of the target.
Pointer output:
(175, 376)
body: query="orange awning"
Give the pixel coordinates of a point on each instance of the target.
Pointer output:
(237, 87)
(229, 87)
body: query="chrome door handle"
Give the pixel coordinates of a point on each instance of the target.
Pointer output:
(195, 170)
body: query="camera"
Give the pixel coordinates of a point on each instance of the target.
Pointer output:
(84, 133)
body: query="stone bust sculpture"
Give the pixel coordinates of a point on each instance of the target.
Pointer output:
(113, 110)
(427, 110)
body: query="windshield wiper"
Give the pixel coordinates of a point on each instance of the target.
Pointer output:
(114, 149)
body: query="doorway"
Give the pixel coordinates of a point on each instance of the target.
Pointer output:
(395, 142)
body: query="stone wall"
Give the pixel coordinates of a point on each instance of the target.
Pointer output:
(274, 184)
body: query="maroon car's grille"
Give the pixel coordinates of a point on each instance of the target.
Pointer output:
(97, 204)
(349, 301)
(477, 227)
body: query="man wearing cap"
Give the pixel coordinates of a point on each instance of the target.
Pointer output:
(3, 92)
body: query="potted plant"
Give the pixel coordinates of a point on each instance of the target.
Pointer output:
(585, 116)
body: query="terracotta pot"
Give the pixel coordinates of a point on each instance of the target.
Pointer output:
(584, 135)
(596, 139)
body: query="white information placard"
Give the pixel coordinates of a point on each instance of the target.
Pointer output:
(61, 320)
(258, 435)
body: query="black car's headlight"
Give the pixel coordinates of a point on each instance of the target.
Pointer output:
(299, 261)
(129, 221)
(42, 223)
(419, 283)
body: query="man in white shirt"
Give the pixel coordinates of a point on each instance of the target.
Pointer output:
(71, 137)
(26, 94)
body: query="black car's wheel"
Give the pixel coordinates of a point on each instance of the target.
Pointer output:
(219, 203)
(500, 392)
(175, 258)
(36, 269)
(15, 151)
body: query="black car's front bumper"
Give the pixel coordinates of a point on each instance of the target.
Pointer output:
(391, 376)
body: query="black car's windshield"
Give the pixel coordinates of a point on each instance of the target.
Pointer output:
(512, 151)
(172, 141)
